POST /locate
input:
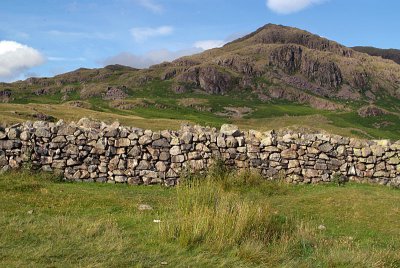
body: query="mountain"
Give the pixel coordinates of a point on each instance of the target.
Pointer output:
(274, 67)
(389, 54)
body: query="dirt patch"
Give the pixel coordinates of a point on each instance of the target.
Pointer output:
(347, 93)
(44, 117)
(131, 104)
(136, 103)
(383, 124)
(195, 103)
(235, 112)
(79, 104)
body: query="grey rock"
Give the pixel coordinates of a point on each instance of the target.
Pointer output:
(71, 149)
(59, 139)
(164, 156)
(187, 137)
(132, 163)
(175, 150)
(178, 159)
(161, 167)
(325, 147)
(289, 154)
(135, 151)
(25, 136)
(161, 143)
(122, 142)
(144, 207)
(10, 144)
(43, 132)
(143, 165)
(58, 164)
(13, 133)
(221, 142)
(275, 157)
(394, 160)
(230, 130)
(121, 179)
(231, 142)
(145, 140)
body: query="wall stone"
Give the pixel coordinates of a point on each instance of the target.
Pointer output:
(96, 152)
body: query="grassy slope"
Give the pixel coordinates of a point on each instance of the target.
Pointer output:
(168, 113)
(93, 225)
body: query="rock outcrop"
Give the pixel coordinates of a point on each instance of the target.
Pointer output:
(115, 93)
(370, 111)
(5, 96)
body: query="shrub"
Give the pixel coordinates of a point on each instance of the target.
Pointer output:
(338, 179)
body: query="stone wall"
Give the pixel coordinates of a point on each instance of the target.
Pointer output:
(93, 151)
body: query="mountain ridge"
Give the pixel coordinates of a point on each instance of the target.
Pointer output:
(297, 58)
(389, 54)
(257, 76)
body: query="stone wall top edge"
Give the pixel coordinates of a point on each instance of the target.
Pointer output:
(285, 135)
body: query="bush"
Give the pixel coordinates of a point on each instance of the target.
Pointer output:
(338, 179)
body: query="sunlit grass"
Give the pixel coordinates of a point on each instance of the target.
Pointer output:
(223, 219)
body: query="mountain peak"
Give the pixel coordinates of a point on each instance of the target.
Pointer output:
(280, 34)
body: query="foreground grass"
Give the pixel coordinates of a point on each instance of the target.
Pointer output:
(227, 220)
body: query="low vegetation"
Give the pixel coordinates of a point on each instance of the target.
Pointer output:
(220, 219)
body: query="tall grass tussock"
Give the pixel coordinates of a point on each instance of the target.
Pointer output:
(229, 211)
(212, 212)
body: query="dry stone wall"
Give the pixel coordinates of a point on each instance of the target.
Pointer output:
(96, 152)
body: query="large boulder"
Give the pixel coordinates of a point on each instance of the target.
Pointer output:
(230, 130)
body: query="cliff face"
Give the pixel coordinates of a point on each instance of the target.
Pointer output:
(291, 60)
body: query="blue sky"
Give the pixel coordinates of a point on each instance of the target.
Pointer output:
(48, 37)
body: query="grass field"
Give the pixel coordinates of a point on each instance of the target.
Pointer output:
(161, 108)
(265, 117)
(225, 220)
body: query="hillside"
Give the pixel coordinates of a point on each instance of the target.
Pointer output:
(275, 73)
(389, 54)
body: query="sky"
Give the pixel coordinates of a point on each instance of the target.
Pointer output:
(47, 37)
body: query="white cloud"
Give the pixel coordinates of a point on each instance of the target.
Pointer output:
(209, 44)
(16, 58)
(141, 34)
(149, 58)
(151, 5)
(162, 55)
(290, 6)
